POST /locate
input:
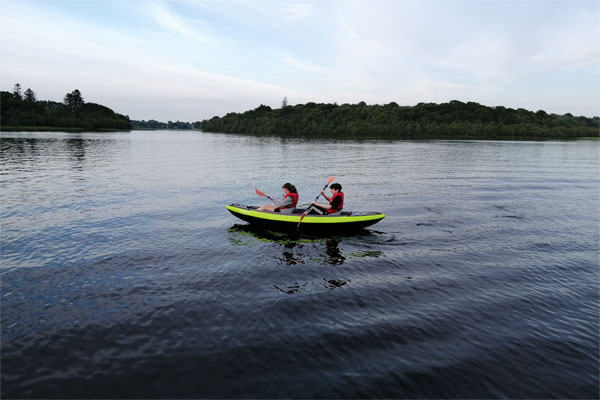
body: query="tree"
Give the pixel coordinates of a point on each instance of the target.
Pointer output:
(452, 120)
(34, 113)
(74, 99)
(30, 96)
(17, 92)
(284, 102)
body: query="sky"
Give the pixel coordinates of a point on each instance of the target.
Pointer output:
(190, 60)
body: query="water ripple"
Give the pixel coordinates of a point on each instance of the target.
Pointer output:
(122, 274)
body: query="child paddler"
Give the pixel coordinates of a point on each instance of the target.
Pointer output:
(290, 199)
(336, 201)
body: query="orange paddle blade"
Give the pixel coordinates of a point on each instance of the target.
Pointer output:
(331, 179)
(258, 192)
(302, 217)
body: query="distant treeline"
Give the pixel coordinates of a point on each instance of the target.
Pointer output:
(153, 124)
(24, 111)
(453, 120)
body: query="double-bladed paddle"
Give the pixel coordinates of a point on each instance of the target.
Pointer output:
(316, 198)
(258, 192)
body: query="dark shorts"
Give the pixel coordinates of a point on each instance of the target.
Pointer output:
(320, 211)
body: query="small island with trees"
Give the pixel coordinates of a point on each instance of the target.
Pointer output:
(23, 111)
(452, 120)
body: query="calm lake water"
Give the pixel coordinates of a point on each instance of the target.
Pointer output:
(123, 275)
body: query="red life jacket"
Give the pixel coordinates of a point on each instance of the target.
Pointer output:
(334, 210)
(294, 197)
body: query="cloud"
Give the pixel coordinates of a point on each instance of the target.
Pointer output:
(105, 64)
(239, 54)
(290, 60)
(296, 11)
(186, 28)
(458, 50)
(168, 20)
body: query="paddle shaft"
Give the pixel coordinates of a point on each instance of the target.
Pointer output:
(319, 195)
(311, 205)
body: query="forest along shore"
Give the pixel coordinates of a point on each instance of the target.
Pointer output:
(425, 121)
(453, 120)
(23, 111)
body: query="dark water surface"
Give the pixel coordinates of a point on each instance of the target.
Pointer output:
(123, 275)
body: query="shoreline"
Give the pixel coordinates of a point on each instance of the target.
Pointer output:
(57, 129)
(41, 129)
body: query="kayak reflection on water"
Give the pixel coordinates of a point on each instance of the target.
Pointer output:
(295, 251)
(310, 254)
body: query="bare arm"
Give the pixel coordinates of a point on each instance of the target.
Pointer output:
(325, 196)
(325, 206)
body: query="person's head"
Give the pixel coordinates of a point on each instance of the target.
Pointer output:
(291, 188)
(336, 186)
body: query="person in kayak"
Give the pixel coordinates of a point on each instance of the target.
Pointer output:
(290, 199)
(336, 201)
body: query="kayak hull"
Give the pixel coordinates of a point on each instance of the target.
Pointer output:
(343, 223)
